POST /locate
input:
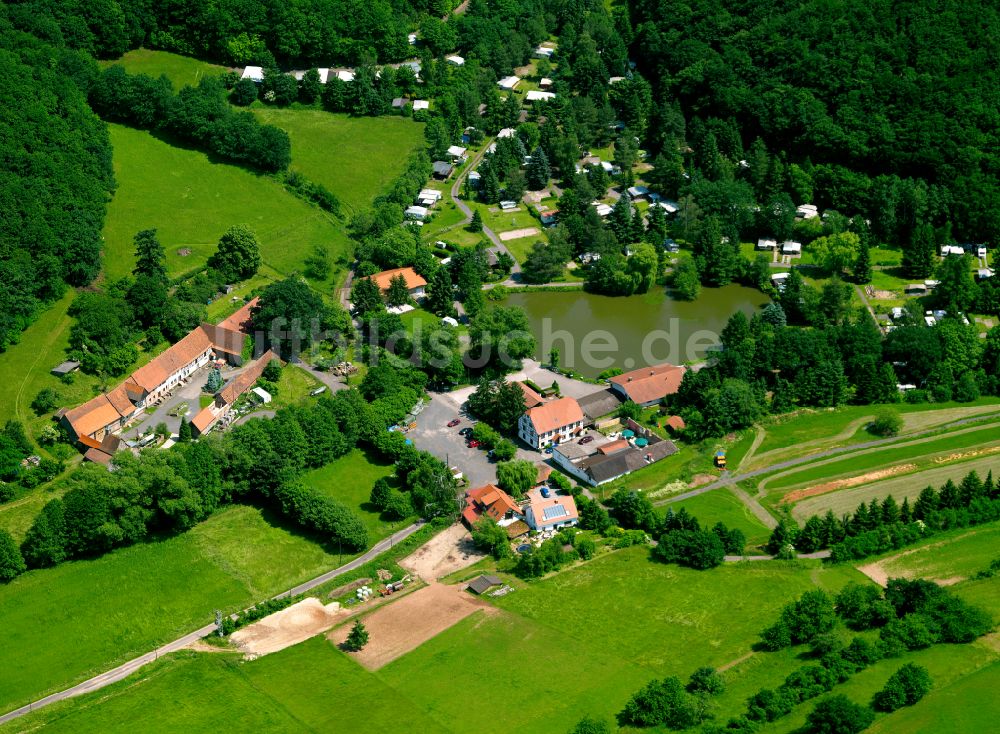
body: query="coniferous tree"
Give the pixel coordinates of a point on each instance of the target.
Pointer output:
(538, 172)
(863, 263)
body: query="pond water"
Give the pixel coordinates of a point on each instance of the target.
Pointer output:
(594, 333)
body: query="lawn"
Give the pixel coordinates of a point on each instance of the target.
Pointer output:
(961, 553)
(24, 367)
(309, 687)
(813, 428)
(723, 506)
(181, 70)
(293, 387)
(917, 451)
(62, 625)
(350, 479)
(357, 158)
(191, 201)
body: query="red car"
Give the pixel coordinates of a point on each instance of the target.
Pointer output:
(454, 422)
(473, 444)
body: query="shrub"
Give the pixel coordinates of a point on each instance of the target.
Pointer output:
(904, 688)
(706, 680)
(45, 401)
(694, 548)
(660, 703)
(585, 546)
(11, 561)
(800, 621)
(887, 423)
(839, 715)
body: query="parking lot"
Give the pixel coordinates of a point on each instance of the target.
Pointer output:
(432, 434)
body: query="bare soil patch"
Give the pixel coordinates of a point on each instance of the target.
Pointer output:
(699, 479)
(445, 553)
(516, 234)
(962, 456)
(734, 663)
(396, 629)
(873, 476)
(878, 572)
(288, 627)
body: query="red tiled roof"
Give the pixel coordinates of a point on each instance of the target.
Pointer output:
(245, 380)
(97, 456)
(613, 446)
(413, 279)
(205, 418)
(489, 500)
(93, 415)
(676, 422)
(555, 414)
(531, 398)
(648, 384)
(240, 321)
(178, 356)
(224, 340)
(544, 472)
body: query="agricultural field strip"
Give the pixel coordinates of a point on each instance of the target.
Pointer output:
(909, 448)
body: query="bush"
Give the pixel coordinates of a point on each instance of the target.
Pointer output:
(505, 450)
(801, 621)
(256, 612)
(11, 561)
(706, 680)
(839, 715)
(904, 688)
(660, 703)
(887, 423)
(585, 546)
(693, 548)
(45, 401)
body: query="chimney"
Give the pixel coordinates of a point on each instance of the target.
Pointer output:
(629, 380)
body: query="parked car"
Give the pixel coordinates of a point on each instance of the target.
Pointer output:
(454, 422)
(473, 444)
(585, 439)
(467, 431)
(548, 449)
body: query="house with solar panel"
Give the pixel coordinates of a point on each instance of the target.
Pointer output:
(548, 511)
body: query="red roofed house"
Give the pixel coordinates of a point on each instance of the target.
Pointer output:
(675, 423)
(108, 413)
(552, 422)
(490, 501)
(414, 282)
(531, 398)
(550, 513)
(648, 385)
(224, 399)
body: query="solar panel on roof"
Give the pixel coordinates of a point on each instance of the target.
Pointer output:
(550, 513)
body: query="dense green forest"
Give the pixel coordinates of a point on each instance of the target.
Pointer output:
(55, 177)
(889, 107)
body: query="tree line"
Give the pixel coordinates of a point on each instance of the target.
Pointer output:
(909, 615)
(196, 115)
(883, 525)
(769, 366)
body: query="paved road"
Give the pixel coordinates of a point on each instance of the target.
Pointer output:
(733, 478)
(126, 669)
(464, 208)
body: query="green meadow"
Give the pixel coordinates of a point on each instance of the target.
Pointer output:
(181, 70)
(721, 505)
(191, 201)
(349, 479)
(63, 624)
(357, 158)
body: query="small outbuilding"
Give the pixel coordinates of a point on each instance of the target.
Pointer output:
(509, 83)
(538, 96)
(455, 60)
(65, 368)
(253, 73)
(443, 169)
(482, 584)
(421, 104)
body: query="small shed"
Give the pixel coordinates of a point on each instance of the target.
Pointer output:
(421, 104)
(482, 584)
(253, 73)
(264, 395)
(790, 247)
(65, 368)
(442, 169)
(536, 95)
(509, 82)
(457, 151)
(455, 60)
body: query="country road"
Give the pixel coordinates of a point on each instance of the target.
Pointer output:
(464, 208)
(731, 479)
(126, 669)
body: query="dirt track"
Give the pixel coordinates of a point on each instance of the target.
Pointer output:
(395, 629)
(873, 476)
(443, 554)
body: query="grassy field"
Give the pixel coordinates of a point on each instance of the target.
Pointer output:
(63, 624)
(293, 387)
(357, 158)
(191, 201)
(554, 641)
(846, 500)
(723, 506)
(309, 687)
(958, 554)
(816, 429)
(24, 367)
(919, 452)
(181, 70)
(349, 479)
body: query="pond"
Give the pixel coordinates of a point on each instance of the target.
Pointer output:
(594, 333)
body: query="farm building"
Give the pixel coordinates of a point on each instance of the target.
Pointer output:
(223, 401)
(648, 385)
(482, 584)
